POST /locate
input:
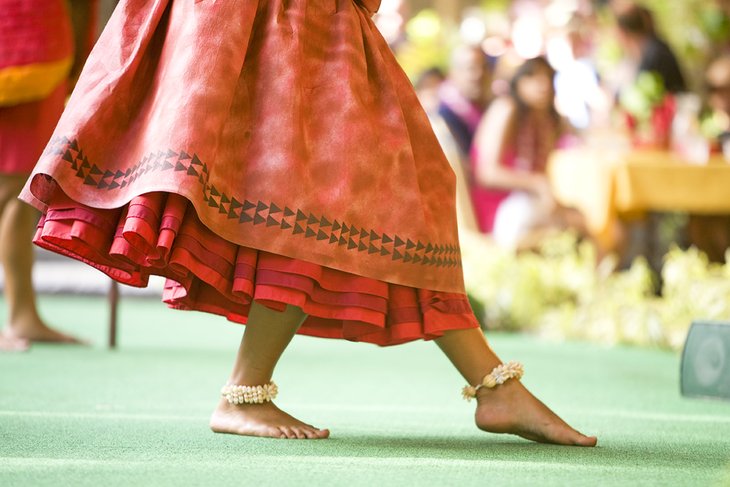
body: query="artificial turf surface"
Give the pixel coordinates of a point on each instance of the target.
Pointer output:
(138, 416)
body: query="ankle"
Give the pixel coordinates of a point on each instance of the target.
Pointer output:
(250, 375)
(497, 394)
(24, 318)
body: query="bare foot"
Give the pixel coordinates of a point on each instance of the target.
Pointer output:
(37, 331)
(511, 408)
(9, 343)
(261, 420)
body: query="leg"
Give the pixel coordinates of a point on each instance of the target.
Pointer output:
(16, 251)
(510, 407)
(8, 187)
(266, 337)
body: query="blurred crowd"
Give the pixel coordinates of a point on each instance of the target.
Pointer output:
(505, 98)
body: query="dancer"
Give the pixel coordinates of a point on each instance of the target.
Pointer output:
(271, 160)
(36, 59)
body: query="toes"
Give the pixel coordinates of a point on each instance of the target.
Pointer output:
(288, 432)
(309, 432)
(8, 344)
(569, 436)
(281, 433)
(271, 432)
(584, 440)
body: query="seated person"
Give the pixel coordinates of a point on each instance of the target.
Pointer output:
(510, 190)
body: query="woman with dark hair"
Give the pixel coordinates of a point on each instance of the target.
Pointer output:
(511, 193)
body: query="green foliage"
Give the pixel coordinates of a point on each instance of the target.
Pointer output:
(495, 5)
(640, 98)
(428, 44)
(561, 293)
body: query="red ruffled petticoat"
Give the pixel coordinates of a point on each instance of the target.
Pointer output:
(160, 233)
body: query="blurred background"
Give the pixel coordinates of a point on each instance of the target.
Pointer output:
(590, 143)
(593, 179)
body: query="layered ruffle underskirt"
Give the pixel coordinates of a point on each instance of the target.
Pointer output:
(160, 234)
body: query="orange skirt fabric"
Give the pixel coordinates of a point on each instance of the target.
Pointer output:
(262, 151)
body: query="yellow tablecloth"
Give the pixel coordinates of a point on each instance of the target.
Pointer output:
(606, 185)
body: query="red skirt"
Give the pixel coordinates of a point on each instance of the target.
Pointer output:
(261, 151)
(25, 130)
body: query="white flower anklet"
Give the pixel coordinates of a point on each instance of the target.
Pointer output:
(236, 394)
(499, 375)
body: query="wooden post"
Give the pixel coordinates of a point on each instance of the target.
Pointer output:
(113, 301)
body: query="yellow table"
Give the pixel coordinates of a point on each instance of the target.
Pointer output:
(606, 185)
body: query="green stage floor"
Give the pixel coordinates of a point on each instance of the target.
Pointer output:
(138, 416)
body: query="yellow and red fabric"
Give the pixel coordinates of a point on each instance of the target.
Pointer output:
(36, 53)
(36, 49)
